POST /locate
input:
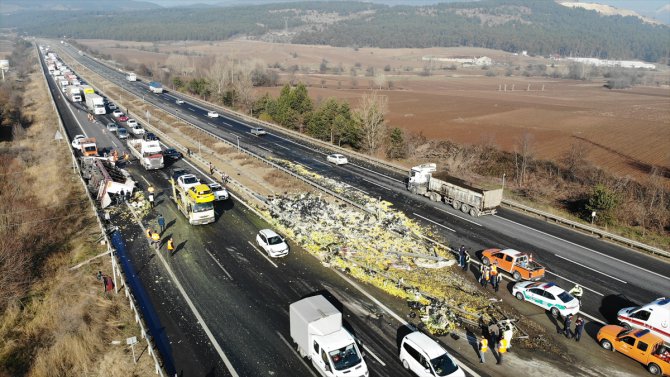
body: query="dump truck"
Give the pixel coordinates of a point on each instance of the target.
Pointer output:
(156, 87)
(96, 104)
(131, 77)
(104, 179)
(199, 210)
(316, 327)
(520, 265)
(149, 153)
(461, 195)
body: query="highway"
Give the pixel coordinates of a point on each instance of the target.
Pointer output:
(613, 276)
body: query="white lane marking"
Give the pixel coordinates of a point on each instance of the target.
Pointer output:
(592, 269)
(376, 184)
(219, 264)
(397, 317)
(211, 124)
(460, 217)
(592, 318)
(281, 146)
(369, 351)
(378, 173)
(302, 360)
(267, 149)
(190, 304)
(263, 254)
(436, 223)
(574, 282)
(589, 249)
(145, 180)
(321, 162)
(192, 109)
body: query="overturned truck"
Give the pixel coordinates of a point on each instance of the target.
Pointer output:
(103, 178)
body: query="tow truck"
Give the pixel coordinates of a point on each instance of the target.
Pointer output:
(196, 202)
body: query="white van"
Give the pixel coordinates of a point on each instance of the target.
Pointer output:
(426, 358)
(654, 316)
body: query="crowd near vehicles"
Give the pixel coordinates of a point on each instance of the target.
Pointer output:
(103, 178)
(272, 243)
(519, 264)
(316, 327)
(149, 153)
(548, 296)
(156, 87)
(198, 210)
(426, 358)
(640, 345)
(337, 159)
(654, 316)
(462, 196)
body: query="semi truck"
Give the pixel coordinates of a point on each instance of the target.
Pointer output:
(316, 327)
(131, 77)
(95, 103)
(149, 153)
(462, 196)
(198, 211)
(73, 93)
(103, 178)
(155, 87)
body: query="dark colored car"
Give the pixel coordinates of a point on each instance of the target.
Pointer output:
(172, 153)
(150, 136)
(176, 173)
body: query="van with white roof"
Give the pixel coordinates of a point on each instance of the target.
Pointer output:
(654, 316)
(426, 358)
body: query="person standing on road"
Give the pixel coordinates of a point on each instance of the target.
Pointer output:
(461, 256)
(161, 223)
(498, 279)
(483, 347)
(151, 200)
(577, 293)
(211, 169)
(466, 267)
(494, 275)
(156, 240)
(486, 276)
(149, 233)
(567, 323)
(502, 348)
(170, 245)
(579, 327)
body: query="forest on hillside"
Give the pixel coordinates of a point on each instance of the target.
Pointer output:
(541, 27)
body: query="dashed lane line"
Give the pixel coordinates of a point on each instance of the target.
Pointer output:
(434, 222)
(589, 268)
(219, 264)
(263, 255)
(460, 217)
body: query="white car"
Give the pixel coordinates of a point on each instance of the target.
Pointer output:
(187, 181)
(137, 130)
(131, 122)
(337, 159)
(76, 140)
(178, 102)
(272, 243)
(220, 192)
(212, 114)
(112, 127)
(258, 131)
(112, 106)
(548, 296)
(117, 113)
(425, 357)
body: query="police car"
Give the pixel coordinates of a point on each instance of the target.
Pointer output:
(548, 296)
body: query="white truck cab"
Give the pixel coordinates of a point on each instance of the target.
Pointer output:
(316, 327)
(654, 316)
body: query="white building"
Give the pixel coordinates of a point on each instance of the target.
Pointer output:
(613, 63)
(480, 61)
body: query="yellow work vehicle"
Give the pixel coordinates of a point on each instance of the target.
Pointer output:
(196, 203)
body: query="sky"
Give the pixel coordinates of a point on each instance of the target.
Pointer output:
(658, 9)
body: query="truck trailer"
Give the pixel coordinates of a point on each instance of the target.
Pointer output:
(148, 152)
(316, 327)
(476, 201)
(96, 104)
(155, 87)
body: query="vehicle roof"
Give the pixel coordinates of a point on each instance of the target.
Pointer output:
(336, 340)
(512, 252)
(428, 345)
(214, 185)
(268, 233)
(337, 155)
(187, 175)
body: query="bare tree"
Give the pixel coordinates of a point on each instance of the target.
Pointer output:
(370, 117)
(523, 153)
(575, 157)
(243, 85)
(380, 80)
(219, 75)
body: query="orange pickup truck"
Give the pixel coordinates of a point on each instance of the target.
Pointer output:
(640, 345)
(515, 262)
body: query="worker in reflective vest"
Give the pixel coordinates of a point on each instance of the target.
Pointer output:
(156, 239)
(149, 232)
(483, 347)
(502, 348)
(170, 245)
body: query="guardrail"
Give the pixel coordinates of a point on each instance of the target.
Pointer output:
(117, 272)
(403, 170)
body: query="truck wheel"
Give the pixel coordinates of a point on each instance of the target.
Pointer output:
(435, 197)
(606, 344)
(465, 208)
(554, 312)
(486, 261)
(519, 296)
(516, 275)
(405, 365)
(654, 369)
(412, 190)
(456, 204)
(474, 212)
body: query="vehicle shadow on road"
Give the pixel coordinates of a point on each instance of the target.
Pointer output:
(611, 304)
(401, 332)
(557, 324)
(510, 285)
(169, 225)
(592, 328)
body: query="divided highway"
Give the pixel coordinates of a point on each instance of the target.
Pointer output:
(613, 275)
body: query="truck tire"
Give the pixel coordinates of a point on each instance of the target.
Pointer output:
(516, 275)
(435, 197)
(465, 208)
(412, 190)
(486, 261)
(654, 369)
(474, 212)
(456, 204)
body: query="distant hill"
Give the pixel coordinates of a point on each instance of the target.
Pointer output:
(608, 10)
(11, 6)
(540, 27)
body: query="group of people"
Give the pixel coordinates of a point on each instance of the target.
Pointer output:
(123, 196)
(490, 274)
(497, 336)
(155, 237)
(567, 327)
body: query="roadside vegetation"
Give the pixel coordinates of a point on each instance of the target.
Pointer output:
(54, 321)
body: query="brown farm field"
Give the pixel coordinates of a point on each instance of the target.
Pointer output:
(627, 130)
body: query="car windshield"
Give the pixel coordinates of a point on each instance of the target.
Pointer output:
(189, 180)
(624, 332)
(275, 240)
(565, 297)
(345, 357)
(122, 131)
(443, 365)
(202, 207)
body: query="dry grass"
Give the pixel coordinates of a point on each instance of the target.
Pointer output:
(280, 179)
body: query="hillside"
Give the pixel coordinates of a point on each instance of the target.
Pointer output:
(608, 10)
(541, 27)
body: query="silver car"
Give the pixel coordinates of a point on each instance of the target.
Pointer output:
(220, 192)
